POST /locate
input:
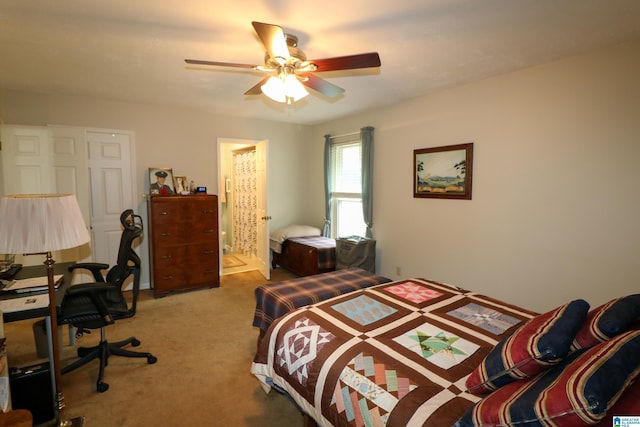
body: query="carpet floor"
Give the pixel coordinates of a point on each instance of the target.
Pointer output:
(204, 342)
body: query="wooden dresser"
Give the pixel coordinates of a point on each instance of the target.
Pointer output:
(183, 243)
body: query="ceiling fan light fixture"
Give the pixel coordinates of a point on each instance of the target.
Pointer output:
(285, 89)
(290, 71)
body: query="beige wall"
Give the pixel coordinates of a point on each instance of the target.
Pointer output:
(555, 210)
(181, 139)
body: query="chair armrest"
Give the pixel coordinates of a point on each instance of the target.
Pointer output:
(94, 267)
(89, 288)
(96, 293)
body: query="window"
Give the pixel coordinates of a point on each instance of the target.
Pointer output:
(346, 195)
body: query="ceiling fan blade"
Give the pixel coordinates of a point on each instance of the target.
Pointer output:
(273, 40)
(321, 85)
(220, 64)
(257, 89)
(350, 62)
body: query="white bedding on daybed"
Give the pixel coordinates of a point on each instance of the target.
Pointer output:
(279, 236)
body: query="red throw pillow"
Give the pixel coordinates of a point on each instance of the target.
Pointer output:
(536, 346)
(579, 391)
(607, 321)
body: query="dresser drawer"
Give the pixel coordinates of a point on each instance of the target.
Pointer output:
(203, 232)
(170, 279)
(202, 253)
(170, 234)
(204, 276)
(164, 255)
(167, 212)
(201, 211)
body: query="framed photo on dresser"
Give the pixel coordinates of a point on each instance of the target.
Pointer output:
(161, 181)
(181, 184)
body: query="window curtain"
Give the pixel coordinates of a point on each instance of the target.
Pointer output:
(326, 229)
(366, 138)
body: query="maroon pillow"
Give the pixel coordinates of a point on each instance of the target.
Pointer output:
(579, 391)
(607, 321)
(536, 346)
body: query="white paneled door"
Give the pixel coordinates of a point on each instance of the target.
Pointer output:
(262, 234)
(93, 164)
(47, 159)
(111, 189)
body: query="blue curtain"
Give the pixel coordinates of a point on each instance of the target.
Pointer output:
(366, 137)
(326, 229)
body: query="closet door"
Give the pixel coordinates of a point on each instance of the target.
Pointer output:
(27, 160)
(110, 154)
(47, 159)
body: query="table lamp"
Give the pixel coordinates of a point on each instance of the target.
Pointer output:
(39, 224)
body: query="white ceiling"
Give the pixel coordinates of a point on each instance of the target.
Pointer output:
(134, 50)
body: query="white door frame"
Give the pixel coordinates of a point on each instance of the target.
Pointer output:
(264, 227)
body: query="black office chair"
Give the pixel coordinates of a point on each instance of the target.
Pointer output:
(96, 305)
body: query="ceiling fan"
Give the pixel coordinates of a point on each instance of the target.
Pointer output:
(290, 71)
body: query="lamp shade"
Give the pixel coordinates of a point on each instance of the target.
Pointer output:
(36, 223)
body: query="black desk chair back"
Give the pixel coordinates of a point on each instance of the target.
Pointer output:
(96, 305)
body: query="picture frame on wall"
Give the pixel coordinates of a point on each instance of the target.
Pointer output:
(443, 172)
(161, 181)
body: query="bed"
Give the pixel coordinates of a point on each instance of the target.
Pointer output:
(421, 353)
(274, 300)
(302, 250)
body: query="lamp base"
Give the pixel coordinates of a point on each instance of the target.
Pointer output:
(75, 422)
(62, 419)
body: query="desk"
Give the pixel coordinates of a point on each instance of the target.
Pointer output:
(39, 312)
(35, 271)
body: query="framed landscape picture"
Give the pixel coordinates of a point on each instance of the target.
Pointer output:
(443, 172)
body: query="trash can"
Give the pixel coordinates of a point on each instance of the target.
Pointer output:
(356, 251)
(42, 339)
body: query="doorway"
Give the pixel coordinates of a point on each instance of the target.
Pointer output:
(242, 198)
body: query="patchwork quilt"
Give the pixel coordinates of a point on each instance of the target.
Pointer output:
(395, 354)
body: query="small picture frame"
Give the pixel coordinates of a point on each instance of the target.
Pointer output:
(161, 182)
(443, 172)
(181, 184)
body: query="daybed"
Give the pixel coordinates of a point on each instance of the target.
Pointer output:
(302, 250)
(421, 353)
(274, 300)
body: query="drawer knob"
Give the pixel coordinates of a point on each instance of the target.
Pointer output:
(166, 257)
(164, 213)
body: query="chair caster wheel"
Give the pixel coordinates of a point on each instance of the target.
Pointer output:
(102, 387)
(135, 342)
(151, 359)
